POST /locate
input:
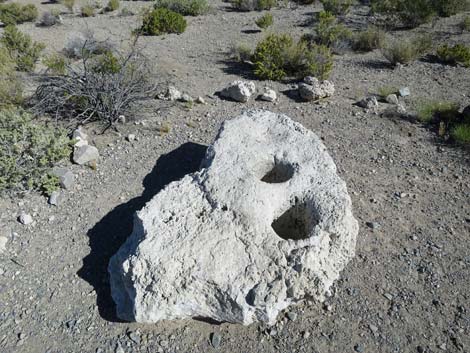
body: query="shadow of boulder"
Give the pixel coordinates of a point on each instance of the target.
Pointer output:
(107, 236)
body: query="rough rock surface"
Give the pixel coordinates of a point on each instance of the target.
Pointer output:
(313, 89)
(85, 154)
(264, 224)
(268, 95)
(239, 91)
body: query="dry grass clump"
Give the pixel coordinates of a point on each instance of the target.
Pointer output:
(406, 50)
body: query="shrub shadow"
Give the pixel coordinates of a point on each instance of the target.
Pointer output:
(243, 70)
(107, 236)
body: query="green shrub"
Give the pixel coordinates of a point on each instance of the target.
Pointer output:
(21, 48)
(278, 56)
(87, 11)
(160, 21)
(241, 52)
(69, 4)
(14, 13)
(457, 54)
(113, 5)
(253, 5)
(55, 63)
(328, 31)
(337, 7)
(461, 133)
(437, 111)
(406, 50)
(370, 39)
(11, 89)
(28, 150)
(265, 21)
(465, 24)
(107, 63)
(184, 7)
(448, 8)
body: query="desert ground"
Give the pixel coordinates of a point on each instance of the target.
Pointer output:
(406, 290)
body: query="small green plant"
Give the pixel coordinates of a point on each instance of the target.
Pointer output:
(241, 52)
(337, 7)
(461, 133)
(160, 21)
(265, 21)
(254, 5)
(436, 111)
(13, 13)
(278, 56)
(28, 151)
(406, 50)
(21, 48)
(184, 7)
(113, 5)
(87, 11)
(107, 63)
(11, 89)
(385, 91)
(328, 31)
(69, 4)
(56, 64)
(457, 54)
(370, 39)
(465, 24)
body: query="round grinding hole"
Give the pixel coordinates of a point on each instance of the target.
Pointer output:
(279, 173)
(296, 223)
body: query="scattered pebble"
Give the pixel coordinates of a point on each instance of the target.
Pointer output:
(25, 218)
(216, 339)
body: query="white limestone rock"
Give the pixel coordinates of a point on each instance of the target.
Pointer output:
(312, 89)
(266, 223)
(239, 91)
(268, 95)
(170, 94)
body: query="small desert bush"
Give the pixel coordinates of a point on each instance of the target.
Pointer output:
(84, 44)
(406, 50)
(370, 39)
(10, 86)
(253, 5)
(457, 54)
(184, 7)
(447, 8)
(69, 4)
(265, 21)
(21, 48)
(87, 11)
(112, 5)
(385, 91)
(99, 88)
(465, 24)
(329, 31)
(278, 56)
(337, 7)
(444, 117)
(55, 64)
(241, 52)
(48, 19)
(161, 21)
(14, 13)
(28, 151)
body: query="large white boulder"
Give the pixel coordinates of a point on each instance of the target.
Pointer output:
(265, 223)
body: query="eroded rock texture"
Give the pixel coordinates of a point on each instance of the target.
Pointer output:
(264, 224)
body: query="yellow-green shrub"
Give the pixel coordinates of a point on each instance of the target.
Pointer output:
(14, 13)
(161, 20)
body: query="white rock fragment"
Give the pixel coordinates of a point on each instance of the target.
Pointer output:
(54, 198)
(268, 95)
(392, 99)
(131, 137)
(25, 218)
(404, 91)
(186, 98)
(239, 91)
(170, 94)
(3, 244)
(200, 100)
(266, 223)
(312, 89)
(85, 154)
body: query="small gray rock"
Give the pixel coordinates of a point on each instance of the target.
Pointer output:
(392, 99)
(216, 339)
(268, 95)
(312, 89)
(369, 103)
(66, 177)
(358, 348)
(130, 138)
(3, 244)
(85, 154)
(54, 198)
(25, 218)
(373, 225)
(200, 100)
(186, 98)
(404, 91)
(292, 315)
(79, 134)
(239, 91)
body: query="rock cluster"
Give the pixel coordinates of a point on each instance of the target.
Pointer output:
(266, 223)
(313, 89)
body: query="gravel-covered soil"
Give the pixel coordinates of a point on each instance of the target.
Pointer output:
(408, 288)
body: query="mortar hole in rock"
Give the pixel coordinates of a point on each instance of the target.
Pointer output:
(296, 223)
(279, 173)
